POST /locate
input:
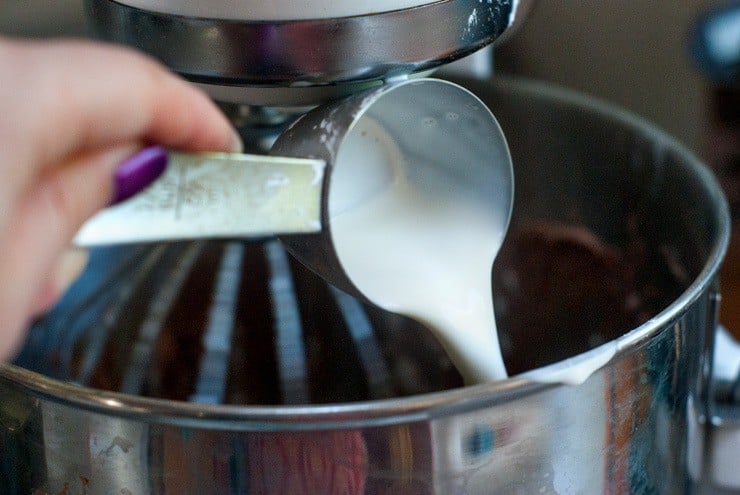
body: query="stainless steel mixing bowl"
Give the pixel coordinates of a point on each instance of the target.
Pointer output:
(633, 230)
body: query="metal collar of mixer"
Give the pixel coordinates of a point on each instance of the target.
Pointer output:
(305, 56)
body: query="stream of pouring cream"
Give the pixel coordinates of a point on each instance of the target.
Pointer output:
(418, 247)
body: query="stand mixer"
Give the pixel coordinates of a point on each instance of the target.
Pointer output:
(225, 367)
(301, 53)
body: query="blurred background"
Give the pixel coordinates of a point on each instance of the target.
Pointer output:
(633, 53)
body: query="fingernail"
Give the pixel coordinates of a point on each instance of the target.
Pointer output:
(137, 172)
(237, 145)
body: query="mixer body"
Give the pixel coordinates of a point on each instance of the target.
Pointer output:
(636, 425)
(305, 53)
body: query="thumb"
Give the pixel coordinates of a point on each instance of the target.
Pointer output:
(41, 228)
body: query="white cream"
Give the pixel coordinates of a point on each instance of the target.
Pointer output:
(417, 247)
(575, 370)
(419, 239)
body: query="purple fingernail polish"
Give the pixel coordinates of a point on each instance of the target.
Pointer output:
(137, 172)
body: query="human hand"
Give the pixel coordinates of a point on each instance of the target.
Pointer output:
(70, 113)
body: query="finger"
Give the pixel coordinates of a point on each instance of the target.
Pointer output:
(40, 229)
(67, 269)
(75, 95)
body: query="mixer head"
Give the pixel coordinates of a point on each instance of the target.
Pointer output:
(288, 53)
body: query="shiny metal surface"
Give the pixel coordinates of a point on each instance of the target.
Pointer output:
(258, 10)
(439, 127)
(306, 61)
(627, 429)
(716, 435)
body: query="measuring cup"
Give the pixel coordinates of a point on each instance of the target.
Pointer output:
(435, 135)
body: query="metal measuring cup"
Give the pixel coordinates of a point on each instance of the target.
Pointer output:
(438, 126)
